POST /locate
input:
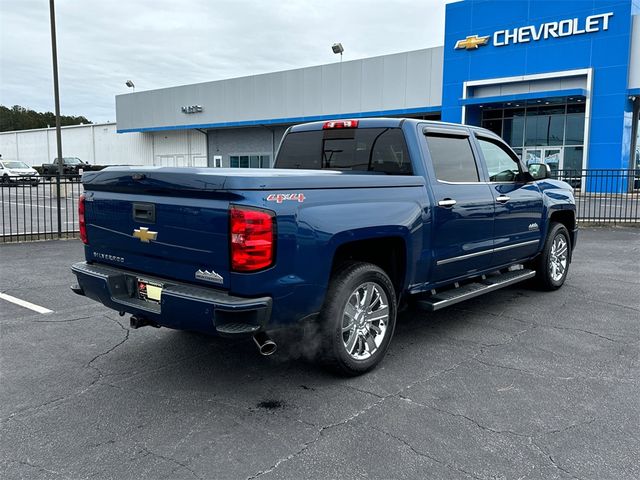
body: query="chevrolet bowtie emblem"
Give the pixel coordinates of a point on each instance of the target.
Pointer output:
(144, 234)
(472, 42)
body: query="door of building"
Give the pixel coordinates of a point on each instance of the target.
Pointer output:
(552, 156)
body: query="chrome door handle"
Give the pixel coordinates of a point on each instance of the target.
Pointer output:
(447, 202)
(502, 199)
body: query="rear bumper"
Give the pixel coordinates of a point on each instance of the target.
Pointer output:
(182, 306)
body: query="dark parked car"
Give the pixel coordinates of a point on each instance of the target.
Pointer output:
(71, 166)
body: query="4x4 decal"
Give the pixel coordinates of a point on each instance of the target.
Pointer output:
(281, 197)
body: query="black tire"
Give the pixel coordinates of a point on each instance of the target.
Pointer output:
(546, 278)
(344, 284)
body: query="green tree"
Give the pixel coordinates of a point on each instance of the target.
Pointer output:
(21, 118)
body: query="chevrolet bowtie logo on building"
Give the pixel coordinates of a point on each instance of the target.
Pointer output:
(144, 234)
(472, 42)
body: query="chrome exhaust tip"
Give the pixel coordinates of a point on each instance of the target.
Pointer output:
(266, 346)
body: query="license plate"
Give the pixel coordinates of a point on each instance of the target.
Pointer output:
(149, 291)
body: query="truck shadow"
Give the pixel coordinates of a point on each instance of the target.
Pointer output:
(194, 360)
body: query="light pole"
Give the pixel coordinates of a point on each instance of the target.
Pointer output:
(130, 84)
(338, 48)
(56, 94)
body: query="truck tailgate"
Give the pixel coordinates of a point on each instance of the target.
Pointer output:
(178, 237)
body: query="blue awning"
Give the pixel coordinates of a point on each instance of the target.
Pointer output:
(522, 97)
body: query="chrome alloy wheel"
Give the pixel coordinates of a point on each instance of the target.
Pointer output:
(364, 320)
(558, 258)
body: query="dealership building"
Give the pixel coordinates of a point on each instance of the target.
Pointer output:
(559, 81)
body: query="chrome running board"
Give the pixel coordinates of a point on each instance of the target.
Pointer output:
(456, 295)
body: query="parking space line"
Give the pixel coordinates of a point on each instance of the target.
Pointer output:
(25, 304)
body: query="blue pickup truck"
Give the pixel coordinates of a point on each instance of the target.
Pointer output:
(358, 218)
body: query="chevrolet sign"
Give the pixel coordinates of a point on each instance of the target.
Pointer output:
(534, 33)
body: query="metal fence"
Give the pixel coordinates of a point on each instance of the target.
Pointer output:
(36, 212)
(604, 196)
(33, 210)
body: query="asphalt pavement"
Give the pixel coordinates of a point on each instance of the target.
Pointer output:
(518, 384)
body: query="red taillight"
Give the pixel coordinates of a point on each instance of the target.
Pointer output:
(340, 124)
(252, 239)
(83, 225)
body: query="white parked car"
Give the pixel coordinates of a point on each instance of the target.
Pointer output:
(12, 171)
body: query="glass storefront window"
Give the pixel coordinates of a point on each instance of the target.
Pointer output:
(513, 131)
(249, 161)
(514, 112)
(552, 110)
(492, 113)
(573, 158)
(542, 133)
(494, 125)
(576, 108)
(546, 125)
(574, 132)
(531, 129)
(543, 130)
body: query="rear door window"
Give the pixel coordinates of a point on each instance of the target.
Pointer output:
(452, 158)
(376, 150)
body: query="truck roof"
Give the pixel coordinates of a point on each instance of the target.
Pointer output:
(386, 122)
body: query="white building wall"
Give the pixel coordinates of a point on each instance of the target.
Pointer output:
(101, 144)
(400, 81)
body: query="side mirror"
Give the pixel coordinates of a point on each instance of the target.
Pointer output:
(539, 171)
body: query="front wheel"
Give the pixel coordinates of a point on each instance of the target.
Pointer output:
(552, 265)
(358, 319)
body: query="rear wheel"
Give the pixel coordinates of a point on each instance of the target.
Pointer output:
(552, 265)
(357, 319)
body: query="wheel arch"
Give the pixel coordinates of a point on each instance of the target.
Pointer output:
(568, 219)
(387, 252)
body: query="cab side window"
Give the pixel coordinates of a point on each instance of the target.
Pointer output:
(452, 158)
(389, 154)
(501, 165)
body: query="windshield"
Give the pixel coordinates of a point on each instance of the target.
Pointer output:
(72, 160)
(15, 165)
(378, 150)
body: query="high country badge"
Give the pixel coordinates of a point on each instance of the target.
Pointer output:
(209, 276)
